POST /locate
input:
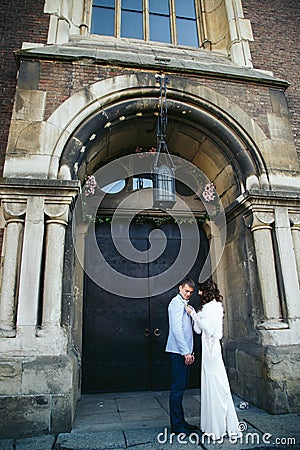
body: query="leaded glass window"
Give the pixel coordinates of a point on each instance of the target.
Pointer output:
(169, 21)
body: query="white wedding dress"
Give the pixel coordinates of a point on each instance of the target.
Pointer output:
(218, 416)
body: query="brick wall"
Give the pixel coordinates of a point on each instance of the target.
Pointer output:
(276, 28)
(275, 24)
(20, 21)
(63, 79)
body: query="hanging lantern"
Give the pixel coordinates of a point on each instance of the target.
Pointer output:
(164, 193)
(163, 172)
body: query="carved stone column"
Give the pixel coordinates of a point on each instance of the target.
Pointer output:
(54, 258)
(13, 213)
(31, 267)
(295, 226)
(287, 262)
(262, 228)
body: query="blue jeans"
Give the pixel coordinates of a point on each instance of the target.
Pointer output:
(179, 382)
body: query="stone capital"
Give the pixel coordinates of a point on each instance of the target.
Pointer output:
(262, 220)
(57, 212)
(13, 211)
(295, 220)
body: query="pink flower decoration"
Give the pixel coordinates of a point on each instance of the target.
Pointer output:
(209, 192)
(90, 186)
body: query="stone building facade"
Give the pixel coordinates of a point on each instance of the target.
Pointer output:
(73, 101)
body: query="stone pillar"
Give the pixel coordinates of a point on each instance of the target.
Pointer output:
(81, 232)
(295, 224)
(13, 213)
(287, 262)
(240, 32)
(32, 251)
(217, 237)
(53, 275)
(262, 228)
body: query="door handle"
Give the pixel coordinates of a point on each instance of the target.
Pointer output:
(156, 332)
(146, 332)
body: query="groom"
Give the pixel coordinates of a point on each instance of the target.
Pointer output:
(180, 347)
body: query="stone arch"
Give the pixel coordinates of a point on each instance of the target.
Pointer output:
(204, 127)
(232, 135)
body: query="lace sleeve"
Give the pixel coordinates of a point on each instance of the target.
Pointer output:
(196, 322)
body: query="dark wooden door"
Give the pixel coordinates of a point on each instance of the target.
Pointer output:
(124, 338)
(160, 364)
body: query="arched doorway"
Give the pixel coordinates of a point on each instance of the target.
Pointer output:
(124, 338)
(199, 131)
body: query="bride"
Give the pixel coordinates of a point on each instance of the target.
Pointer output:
(218, 416)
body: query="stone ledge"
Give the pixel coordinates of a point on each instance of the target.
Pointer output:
(194, 61)
(20, 188)
(272, 325)
(263, 197)
(39, 182)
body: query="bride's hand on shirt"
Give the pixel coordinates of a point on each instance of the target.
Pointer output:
(189, 309)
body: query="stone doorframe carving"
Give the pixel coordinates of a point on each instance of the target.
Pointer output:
(274, 223)
(36, 214)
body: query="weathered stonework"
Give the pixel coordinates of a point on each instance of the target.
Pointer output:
(38, 370)
(37, 395)
(266, 376)
(230, 120)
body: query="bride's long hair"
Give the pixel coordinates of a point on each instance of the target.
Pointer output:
(210, 291)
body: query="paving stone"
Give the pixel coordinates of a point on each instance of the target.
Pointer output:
(99, 404)
(144, 415)
(157, 438)
(95, 422)
(35, 443)
(251, 439)
(282, 428)
(137, 404)
(146, 424)
(6, 444)
(102, 440)
(138, 437)
(191, 404)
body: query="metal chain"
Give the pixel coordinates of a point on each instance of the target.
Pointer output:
(163, 114)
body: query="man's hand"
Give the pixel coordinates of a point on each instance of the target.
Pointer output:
(189, 359)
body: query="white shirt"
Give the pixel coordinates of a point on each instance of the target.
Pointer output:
(180, 339)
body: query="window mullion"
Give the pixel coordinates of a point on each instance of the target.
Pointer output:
(173, 22)
(203, 35)
(146, 21)
(199, 22)
(117, 18)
